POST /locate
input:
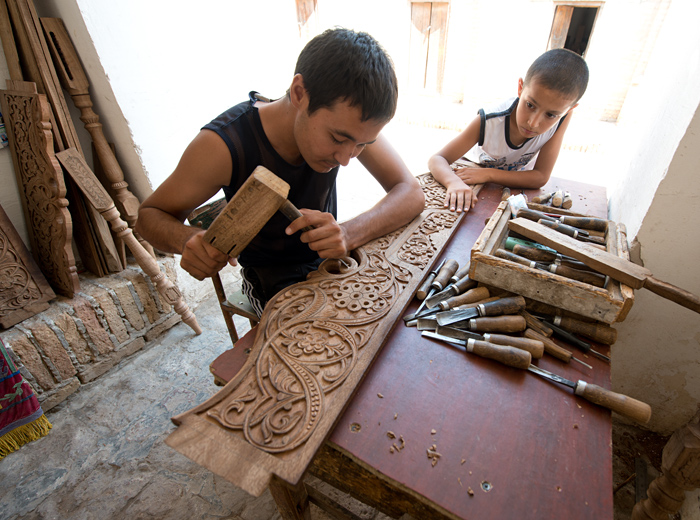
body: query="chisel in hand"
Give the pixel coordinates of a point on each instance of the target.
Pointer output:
(627, 406)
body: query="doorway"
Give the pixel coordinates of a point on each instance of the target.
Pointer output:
(572, 27)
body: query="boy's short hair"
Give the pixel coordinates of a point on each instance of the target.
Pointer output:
(561, 70)
(344, 65)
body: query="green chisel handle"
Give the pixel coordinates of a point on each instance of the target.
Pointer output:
(622, 404)
(511, 356)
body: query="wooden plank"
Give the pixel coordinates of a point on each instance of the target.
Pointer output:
(418, 45)
(43, 192)
(560, 26)
(8, 43)
(314, 343)
(607, 263)
(437, 40)
(24, 291)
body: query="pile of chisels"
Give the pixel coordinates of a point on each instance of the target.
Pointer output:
(459, 310)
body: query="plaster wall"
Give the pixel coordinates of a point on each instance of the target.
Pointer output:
(657, 358)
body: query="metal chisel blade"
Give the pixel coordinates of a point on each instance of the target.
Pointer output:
(427, 324)
(450, 317)
(552, 377)
(452, 332)
(439, 297)
(446, 339)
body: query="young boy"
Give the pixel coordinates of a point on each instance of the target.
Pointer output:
(517, 143)
(343, 93)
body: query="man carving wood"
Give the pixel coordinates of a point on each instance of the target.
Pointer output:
(343, 93)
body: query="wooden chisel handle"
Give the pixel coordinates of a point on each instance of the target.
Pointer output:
(673, 293)
(508, 305)
(444, 275)
(594, 224)
(511, 356)
(474, 295)
(536, 324)
(290, 211)
(598, 332)
(534, 347)
(540, 255)
(550, 347)
(595, 279)
(534, 215)
(464, 284)
(515, 323)
(622, 404)
(461, 273)
(424, 288)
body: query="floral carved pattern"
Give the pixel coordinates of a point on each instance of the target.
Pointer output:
(314, 342)
(23, 289)
(42, 189)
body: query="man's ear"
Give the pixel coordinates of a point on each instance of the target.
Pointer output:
(297, 92)
(521, 84)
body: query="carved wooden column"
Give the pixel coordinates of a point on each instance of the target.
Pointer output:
(680, 467)
(102, 202)
(42, 189)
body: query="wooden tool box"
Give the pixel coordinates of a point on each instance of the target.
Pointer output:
(609, 304)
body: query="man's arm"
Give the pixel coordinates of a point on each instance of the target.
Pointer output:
(404, 200)
(204, 168)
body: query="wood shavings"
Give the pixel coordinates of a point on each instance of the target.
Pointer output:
(391, 434)
(460, 481)
(396, 447)
(470, 491)
(575, 426)
(395, 416)
(380, 396)
(462, 461)
(433, 455)
(433, 432)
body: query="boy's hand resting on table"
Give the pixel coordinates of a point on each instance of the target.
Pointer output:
(459, 197)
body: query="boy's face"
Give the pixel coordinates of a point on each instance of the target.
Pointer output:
(539, 109)
(332, 136)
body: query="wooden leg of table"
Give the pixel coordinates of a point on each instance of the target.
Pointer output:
(292, 501)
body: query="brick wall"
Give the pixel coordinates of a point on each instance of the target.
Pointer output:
(77, 340)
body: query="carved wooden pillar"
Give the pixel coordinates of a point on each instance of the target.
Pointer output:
(680, 466)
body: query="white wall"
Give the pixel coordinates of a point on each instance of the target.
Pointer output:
(657, 358)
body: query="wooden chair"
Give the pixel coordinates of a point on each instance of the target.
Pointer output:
(233, 304)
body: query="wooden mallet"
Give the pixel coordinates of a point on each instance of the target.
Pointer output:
(260, 197)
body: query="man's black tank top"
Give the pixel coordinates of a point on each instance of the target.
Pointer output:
(241, 129)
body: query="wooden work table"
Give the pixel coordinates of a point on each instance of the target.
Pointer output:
(511, 444)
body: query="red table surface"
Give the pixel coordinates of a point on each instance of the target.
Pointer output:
(541, 451)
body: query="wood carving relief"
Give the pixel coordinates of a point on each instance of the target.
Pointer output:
(42, 189)
(24, 291)
(314, 342)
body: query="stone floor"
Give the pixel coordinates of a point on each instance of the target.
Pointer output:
(106, 457)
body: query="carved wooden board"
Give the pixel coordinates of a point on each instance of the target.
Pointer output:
(315, 341)
(24, 291)
(41, 185)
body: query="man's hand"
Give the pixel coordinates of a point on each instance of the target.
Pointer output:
(327, 238)
(201, 259)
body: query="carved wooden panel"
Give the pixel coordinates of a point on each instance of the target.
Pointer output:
(315, 341)
(24, 291)
(41, 185)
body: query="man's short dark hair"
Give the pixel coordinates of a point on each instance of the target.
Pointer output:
(343, 65)
(561, 70)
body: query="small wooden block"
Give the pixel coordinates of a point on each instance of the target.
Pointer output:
(262, 194)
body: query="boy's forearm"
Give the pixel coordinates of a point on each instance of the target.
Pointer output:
(531, 179)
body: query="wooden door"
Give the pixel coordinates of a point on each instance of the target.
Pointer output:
(427, 46)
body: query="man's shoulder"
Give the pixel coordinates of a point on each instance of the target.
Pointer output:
(233, 114)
